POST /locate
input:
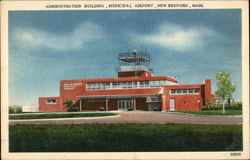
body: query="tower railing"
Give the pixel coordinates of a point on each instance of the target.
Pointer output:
(135, 68)
(138, 54)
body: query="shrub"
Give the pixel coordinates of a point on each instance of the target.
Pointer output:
(216, 107)
(232, 106)
(15, 110)
(11, 110)
(19, 110)
(204, 108)
(101, 109)
(73, 110)
(208, 103)
(157, 108)
(130, 108)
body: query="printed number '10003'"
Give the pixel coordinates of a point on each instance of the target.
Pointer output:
(235, 154)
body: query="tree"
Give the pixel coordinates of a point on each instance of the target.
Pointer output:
(225, 87)
(68, 103)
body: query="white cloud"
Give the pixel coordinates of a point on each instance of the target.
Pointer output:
(76, 39)
(176, 37)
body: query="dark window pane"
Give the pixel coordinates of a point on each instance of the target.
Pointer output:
(173, 91)
(196, 90)
(184, 91)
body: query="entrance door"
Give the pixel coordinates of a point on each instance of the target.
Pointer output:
(123, 104)
(172, 104)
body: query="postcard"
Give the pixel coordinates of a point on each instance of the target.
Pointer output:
(124, 80)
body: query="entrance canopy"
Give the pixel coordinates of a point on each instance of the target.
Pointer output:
(121, 93)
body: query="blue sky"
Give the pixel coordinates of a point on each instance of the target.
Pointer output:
(48, 46)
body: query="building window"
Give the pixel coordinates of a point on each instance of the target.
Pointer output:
(178, 91)
(134, 84)
(162, 82)
(190, 91)
(107, 85)
(141, 84)
(126, 85)
(184, 91)
(87, 86)
(146, 84)
(116, 85)
(151, 83)
(129, 84)
(173, 91)
(157, 83)
(196, 91)
(97, 86)
(102, 85)
(91, 86)
(51, 101)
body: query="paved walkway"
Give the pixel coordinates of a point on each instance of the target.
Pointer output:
(145, 117)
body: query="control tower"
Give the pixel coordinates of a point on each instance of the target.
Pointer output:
(134, 64)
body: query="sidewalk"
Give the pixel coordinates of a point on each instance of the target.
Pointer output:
(145, 117)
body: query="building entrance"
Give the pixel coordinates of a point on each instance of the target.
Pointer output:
(124, 104)
(172, 104)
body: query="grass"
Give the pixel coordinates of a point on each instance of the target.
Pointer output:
(124, 137)
(214, 112)
(46, 116)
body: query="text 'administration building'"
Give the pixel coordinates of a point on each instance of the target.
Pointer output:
(134, 87)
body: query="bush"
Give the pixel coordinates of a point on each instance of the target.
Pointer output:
(11, 110)
(130, 108)
(232, 106)
(101, 109)
(213, 107)
(19, 110)
(73, 110)
(157, 108)
(15, 110)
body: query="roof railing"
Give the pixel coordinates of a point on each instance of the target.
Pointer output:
(134, 54)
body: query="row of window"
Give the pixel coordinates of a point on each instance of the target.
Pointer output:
(126, 85)
(50, 101)
(185, 91)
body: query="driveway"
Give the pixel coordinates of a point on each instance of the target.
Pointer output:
(144, 117)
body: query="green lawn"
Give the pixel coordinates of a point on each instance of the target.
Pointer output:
(124, 137)
(214, 112)
(46, 116)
